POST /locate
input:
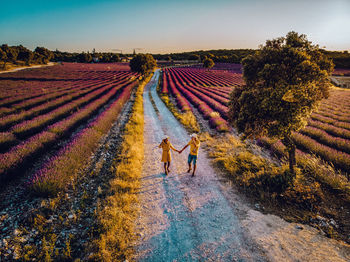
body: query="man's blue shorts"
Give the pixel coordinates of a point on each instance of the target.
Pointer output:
(192, 158)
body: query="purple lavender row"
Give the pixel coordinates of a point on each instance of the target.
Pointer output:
(9, 120)
(64, 167)
(29, 149)
(339, 159)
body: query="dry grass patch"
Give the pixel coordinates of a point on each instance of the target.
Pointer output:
(317, 190)
(120, 208)
(314, 166)
(187, 118)
(249, 171)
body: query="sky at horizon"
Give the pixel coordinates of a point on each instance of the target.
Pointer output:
(161, 26)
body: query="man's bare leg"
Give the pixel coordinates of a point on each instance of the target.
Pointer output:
(194, 169)
(189, 168)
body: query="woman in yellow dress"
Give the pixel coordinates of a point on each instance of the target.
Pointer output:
(166, 156)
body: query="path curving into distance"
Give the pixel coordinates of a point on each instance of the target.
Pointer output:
(183, 218)
(203, 218)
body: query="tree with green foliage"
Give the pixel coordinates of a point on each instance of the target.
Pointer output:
(285, 80)
(233, 59)
(114, 58)
(84, 57)
(194, 57)
(208, 63)
(105, 58)
(143, 63)
(210, 55)
(3, 57)
(44, 54)
(38, 58)
(24, 54)
(11, 54)
(27, 56)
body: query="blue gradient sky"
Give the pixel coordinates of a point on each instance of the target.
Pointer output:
(171, 26)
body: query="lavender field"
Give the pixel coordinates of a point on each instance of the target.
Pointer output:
(75, 103)
(327, 134)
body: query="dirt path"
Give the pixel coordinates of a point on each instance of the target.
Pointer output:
(26, 67)
(184, 218)
(203, 218)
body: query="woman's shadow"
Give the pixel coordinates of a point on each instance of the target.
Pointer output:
(160, 179)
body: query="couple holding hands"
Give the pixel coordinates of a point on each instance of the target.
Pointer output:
(192, 157)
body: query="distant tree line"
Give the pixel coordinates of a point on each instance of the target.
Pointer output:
(341, 59)
(218, 56)
(41, 55)
(17, 54)
(86, 57)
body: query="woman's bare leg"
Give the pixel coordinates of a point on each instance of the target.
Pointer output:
(165, 168)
